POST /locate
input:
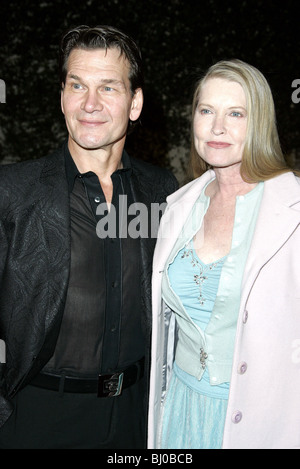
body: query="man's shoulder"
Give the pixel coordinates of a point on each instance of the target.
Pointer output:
(29, 169)
(154, 182)
(152, 172)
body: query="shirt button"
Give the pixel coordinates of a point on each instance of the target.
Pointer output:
(245, 316)
(236, 416)
(242, 368)
(97, 200)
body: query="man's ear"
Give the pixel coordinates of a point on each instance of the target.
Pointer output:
(137, 104)
(61, 97)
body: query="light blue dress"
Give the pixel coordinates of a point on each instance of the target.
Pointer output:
(196, 407)
(194, 411)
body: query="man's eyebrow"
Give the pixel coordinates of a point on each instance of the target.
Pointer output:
(113, 81)
(105, 81)
(74, 77)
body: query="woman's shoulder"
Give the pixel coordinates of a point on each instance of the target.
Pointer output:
(191, 189)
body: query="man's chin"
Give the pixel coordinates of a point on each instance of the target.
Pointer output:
(86, 145)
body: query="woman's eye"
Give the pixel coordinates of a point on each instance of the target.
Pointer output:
(236, 114)
(205, 111)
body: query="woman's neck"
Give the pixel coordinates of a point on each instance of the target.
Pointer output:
(228, 184)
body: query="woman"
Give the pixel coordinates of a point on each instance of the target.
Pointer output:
(226, 280)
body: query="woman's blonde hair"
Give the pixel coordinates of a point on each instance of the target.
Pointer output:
(262, 156)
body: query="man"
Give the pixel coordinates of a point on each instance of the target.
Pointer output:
(75, 288)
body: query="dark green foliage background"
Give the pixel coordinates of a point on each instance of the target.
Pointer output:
(179, 40)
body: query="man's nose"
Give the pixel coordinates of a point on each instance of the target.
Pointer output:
(92, 101)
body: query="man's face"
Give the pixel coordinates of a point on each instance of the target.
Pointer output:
(97, 101)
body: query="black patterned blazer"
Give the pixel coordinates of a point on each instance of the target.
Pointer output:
(35, 261)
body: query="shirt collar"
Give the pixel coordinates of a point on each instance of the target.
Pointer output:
(72, 171)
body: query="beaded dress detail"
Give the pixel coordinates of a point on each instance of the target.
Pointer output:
(203, 269)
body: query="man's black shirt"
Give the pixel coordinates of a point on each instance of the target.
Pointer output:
(101, 327)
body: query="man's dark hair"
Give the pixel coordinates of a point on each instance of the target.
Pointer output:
(102, 37)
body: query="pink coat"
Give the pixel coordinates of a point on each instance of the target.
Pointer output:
(264, 399)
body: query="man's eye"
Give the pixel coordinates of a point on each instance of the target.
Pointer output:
(108, 88)
(77, 86)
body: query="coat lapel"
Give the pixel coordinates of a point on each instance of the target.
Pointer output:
(179, 207)
(151, 193)
(143, 196)
(55, 221)
(276, 222)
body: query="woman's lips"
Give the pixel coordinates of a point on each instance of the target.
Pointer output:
(218, 144)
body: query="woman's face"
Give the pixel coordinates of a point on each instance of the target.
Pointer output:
(220, 123)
